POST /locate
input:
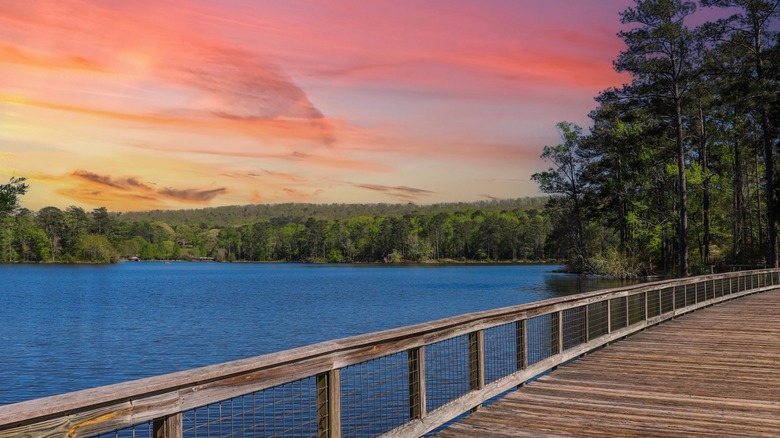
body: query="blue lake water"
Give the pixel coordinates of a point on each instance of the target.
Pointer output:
(65, 328)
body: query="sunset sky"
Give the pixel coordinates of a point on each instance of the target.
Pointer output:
(148, 104)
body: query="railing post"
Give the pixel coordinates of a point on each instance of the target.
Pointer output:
(329, 404)
(476, 361)
(587, 324)
(416, 365)
(168, 427)
(609, 316)
(521, 339)
(628, 310)
(557, 334)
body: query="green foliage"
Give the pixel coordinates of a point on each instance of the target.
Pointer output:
(219, 217)
(9, 195)
(679, 164)
(96, 248)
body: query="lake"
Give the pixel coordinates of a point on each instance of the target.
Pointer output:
(66, 328)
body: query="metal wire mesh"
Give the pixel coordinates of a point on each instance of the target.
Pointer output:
(617, 313)
(718, 287)
(667, 300)
(375, 395)
(653, 303)
(446, 371)
(598, 319)
(679, 297)
(501, 351)
(143, 430)
(287, 410)
(636, 308)
(690, 294)
(378, 395)
(574, 332)
(542, 337)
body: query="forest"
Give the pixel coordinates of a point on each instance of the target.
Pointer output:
(509, 230)
(676, 173)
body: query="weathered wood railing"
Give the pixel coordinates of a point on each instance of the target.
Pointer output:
(400, 382)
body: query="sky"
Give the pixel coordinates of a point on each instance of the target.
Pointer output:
(168, 104)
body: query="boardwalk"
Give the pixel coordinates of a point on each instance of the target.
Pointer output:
(712, 368)
(715, 372)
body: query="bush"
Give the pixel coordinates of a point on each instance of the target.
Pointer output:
(96, 248)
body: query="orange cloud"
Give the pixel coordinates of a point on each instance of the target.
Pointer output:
(319, 130)
(192, 195)
(402, 193)
(15, 55)
(318, 160)
(148, 43)
(125, 192)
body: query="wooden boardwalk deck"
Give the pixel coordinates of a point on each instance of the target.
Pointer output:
(714, 372)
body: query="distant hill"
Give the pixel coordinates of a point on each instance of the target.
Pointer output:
(248, 214)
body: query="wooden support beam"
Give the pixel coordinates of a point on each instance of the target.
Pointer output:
(416, 365)
(168, 427)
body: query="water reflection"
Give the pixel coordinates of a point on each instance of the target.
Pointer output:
(570, 284)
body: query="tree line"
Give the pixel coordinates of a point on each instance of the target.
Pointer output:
(427, 233)
(677, 172)
(679, 168)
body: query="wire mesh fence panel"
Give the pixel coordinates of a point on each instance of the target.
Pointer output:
(679, 297)
(143, 430)
(446, 371)
(573, 327)
(375, 395)
(287, 410)
(741, 284)
(636, 308)
(598, 319)
(717, 286)
(667, 299)
(701, 294)
(501, 356)
(542, 337)
(653, 303)
(709, 289)
(690, 294)
(617, 313)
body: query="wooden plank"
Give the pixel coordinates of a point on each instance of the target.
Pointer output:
(710, 373)
(162, 396)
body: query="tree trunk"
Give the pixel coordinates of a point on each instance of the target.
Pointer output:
(739, 202)
(705, 186)
(683, 228)
(771, 194)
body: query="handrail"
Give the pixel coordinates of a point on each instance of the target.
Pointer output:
(436, 370)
